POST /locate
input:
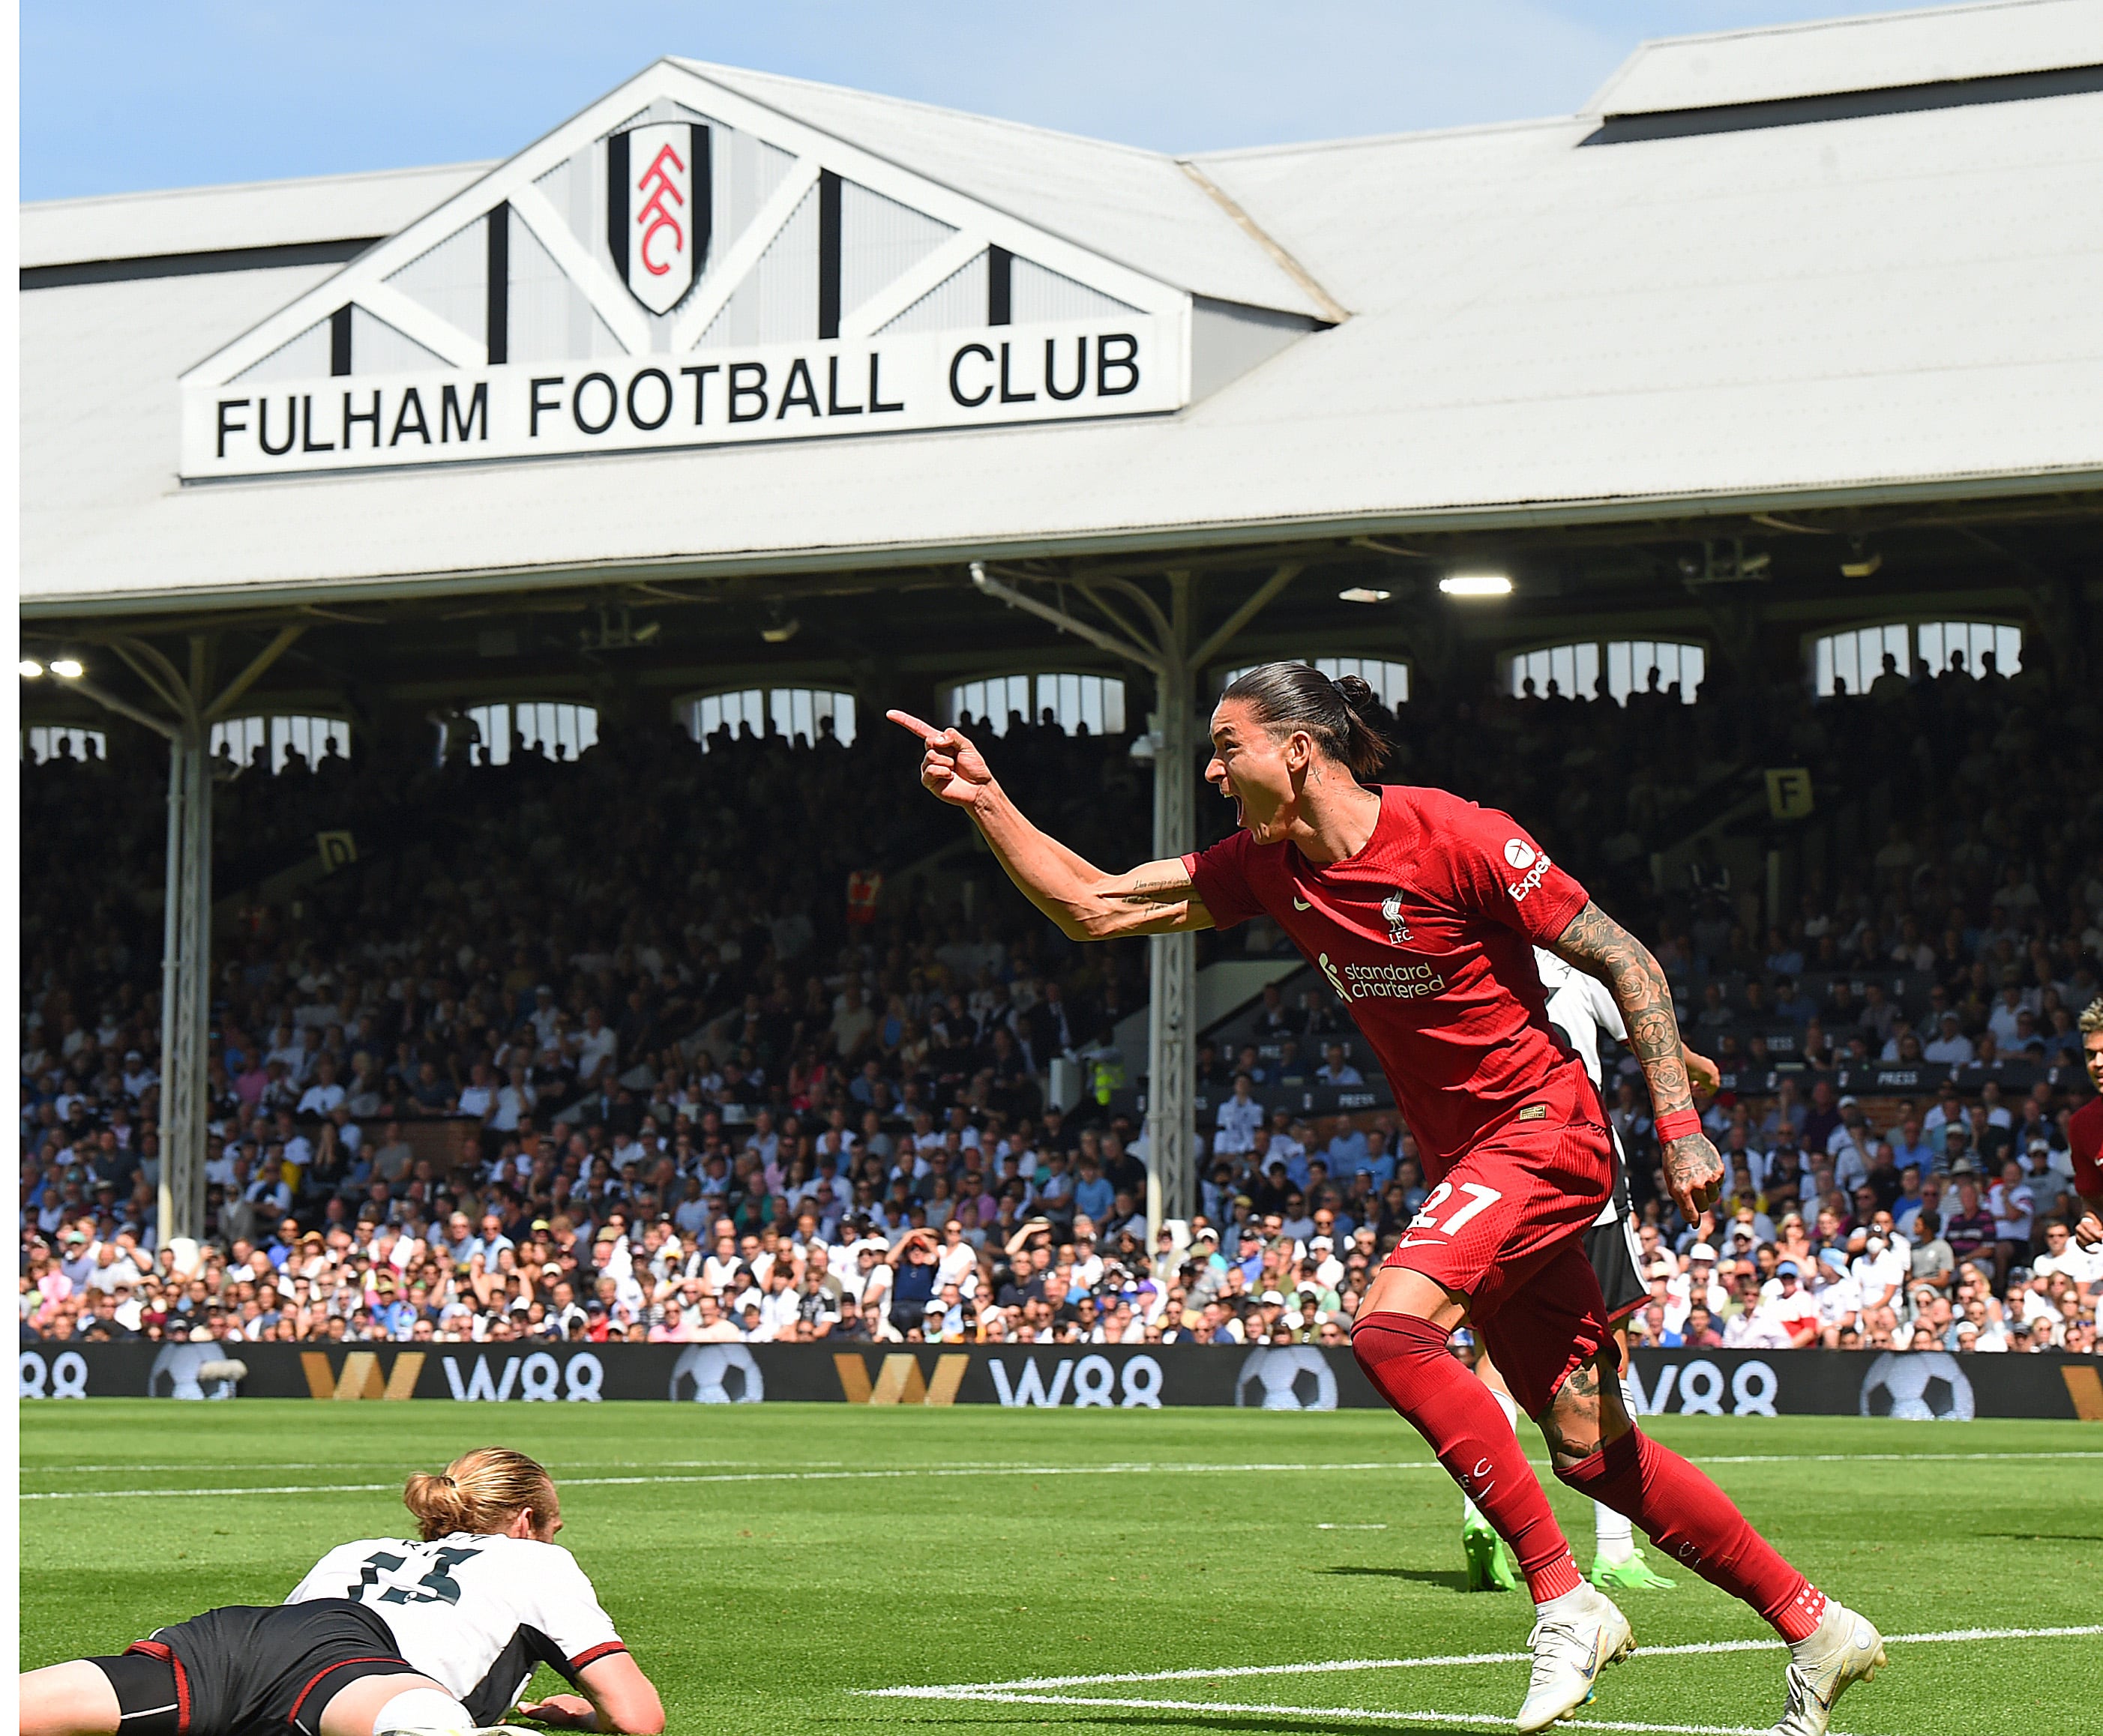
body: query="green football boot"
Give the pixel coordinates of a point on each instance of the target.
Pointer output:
(1489, 1562)
(1634, 1575)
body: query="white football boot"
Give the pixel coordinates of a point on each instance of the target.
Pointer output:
(1577, 1636)
(1846, 1649)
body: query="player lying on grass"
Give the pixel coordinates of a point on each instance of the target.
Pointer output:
(436, 1637)
(1422, 910)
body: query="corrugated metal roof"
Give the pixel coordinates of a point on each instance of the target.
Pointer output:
(1133, 205)
(214, 219)
(1542, 333)
(1836, 55)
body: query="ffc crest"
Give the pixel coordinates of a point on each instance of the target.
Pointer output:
(658, 189)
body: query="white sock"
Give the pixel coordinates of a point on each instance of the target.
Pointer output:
(1568, 1602)
(423, 1712)
(1470, 1514)
(1616, 1534)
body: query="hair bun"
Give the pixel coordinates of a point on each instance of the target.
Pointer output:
(1358, 693)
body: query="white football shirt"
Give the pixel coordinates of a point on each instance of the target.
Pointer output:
(475, 1614)
(1580, 1007)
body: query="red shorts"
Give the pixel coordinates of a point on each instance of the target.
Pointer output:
(1505, 1227)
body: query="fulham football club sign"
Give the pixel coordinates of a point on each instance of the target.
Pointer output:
(658, 188)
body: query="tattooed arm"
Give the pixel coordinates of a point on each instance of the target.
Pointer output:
(1087, 904)
(1598, 945)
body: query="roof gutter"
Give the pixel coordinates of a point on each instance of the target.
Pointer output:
(1516, 516)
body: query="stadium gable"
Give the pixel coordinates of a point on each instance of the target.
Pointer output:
(1882, 309)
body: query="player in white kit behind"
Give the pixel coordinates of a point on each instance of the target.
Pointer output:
(1580, 1007)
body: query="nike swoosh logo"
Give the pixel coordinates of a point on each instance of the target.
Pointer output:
(1415, 1242)
(1301, 904)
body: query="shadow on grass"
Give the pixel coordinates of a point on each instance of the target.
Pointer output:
(1454, 1580)
(2045, 1537)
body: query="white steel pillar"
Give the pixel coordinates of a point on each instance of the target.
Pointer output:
(1159, 643)
(184, 720)
(1172, 1003)
(186, 984)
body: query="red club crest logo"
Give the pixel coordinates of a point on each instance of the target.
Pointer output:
(658, 188)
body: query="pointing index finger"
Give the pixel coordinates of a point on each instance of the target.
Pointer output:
(906, 719)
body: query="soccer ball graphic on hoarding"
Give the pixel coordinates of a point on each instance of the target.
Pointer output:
(1920, 1386)
(1286, 1377)
(720, 1373)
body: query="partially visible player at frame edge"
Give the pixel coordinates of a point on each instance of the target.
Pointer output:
(2085, 1134)
(1581, 1011)
(434, 1636)
(1422, 910)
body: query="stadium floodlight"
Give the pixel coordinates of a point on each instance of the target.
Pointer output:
(29, 669)
(1476, 584)
(67, 668)
(1359, 593)
(1862, 563)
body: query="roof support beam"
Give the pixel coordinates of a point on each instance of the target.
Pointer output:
(1114, 644)
(256, 668)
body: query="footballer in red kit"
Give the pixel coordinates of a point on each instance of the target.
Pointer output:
(2085, 1133)
(1422, 913)
(1422, 910)
(1427, 934)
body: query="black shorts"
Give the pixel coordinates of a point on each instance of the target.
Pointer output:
(249, 1672)
(1612, 1250)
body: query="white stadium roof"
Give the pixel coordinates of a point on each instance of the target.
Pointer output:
(1750, 305)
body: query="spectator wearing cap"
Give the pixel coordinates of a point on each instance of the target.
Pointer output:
(1792, 1306)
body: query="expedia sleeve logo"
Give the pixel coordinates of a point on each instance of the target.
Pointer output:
(1530, 864)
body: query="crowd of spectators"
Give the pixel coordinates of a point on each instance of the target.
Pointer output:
(624, 1048)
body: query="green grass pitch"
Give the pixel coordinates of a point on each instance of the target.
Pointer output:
(771, 1565)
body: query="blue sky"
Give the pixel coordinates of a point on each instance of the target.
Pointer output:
(136, 94)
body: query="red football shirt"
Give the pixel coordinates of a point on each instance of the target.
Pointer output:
(2084, 1138)
(1428, 934)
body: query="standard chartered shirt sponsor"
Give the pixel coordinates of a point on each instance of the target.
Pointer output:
(1408, 980)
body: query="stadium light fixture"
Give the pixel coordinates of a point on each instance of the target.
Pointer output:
(1359, 593)
(67, 668)
(1476, 584)
(29, 669)
(1861, 563)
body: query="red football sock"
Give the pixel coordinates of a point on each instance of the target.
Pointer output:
(1406, 1359)
(1699, 1526)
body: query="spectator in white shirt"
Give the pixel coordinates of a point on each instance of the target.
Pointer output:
(595, 1045)
(1239, 1116)
(1337, 1069)
(324, 1094)
(2013, 1208)
(1951, 1047)
(478, 1098)
(1792, 1306)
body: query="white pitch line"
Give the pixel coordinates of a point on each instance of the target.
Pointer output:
(1349, 1528)
(819, 1470)
(1299, 1467)
(1347, 1665)
(338, 1464)
(1363, 1714)
(752, 1476)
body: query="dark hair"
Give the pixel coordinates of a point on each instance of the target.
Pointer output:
(1287, 696)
